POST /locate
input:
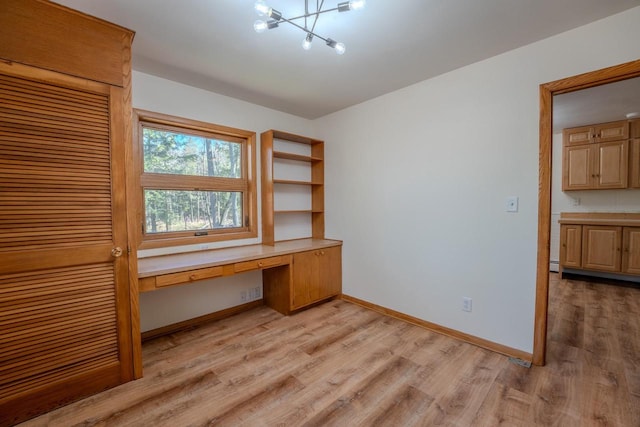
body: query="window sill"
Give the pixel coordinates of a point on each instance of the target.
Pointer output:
(196, 240)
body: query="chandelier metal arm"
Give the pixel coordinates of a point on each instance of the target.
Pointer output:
(307, 15)
(303, 29)
(318, 7)
(276, 18)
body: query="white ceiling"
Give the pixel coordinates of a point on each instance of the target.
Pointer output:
(390, 44)
(600, 104)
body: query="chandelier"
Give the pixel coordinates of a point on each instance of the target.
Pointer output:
(274, 18)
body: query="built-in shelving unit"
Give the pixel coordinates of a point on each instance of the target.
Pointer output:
(292, 187)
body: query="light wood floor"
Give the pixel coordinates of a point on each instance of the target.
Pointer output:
(342, 365)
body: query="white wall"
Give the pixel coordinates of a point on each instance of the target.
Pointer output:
(417, 179)
(627, 200)
(171, 305)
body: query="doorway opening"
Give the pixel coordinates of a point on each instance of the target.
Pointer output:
(547, 91)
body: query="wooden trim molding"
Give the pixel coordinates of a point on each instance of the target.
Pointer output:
(547, 91)
(471, 339)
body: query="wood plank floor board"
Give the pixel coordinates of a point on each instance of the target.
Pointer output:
(557, 401)
(503, 406)
(333, 372)
(468, 387)
(518, 378)
(344, 365)
(384, 383)
(605, 396)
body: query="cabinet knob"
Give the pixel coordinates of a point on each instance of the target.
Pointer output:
(193, 277)
(321, 252)
(260, 264)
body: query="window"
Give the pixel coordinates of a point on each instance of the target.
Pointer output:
(197, 181)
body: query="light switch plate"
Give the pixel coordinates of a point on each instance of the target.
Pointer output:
(512, 204)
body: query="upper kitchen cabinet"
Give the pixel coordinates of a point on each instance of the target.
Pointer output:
(596, 157)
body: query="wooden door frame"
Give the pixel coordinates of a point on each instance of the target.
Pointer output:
(547, 91)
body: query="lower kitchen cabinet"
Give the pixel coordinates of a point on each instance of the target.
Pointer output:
(601, 246)
(571, 246)
(600, 242)
(631, 250)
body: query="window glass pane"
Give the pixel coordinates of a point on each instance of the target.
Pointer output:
(171, 210)
(184, 154)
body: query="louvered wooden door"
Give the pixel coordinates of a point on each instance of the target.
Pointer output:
(65, 328)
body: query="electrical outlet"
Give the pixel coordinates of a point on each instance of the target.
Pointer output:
(467, 304)
(243, 296)
(255, 293)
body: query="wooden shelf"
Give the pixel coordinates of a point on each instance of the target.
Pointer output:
(278, 134)
(314, 159)
(289, 182)
(293, 211)
(298, 157)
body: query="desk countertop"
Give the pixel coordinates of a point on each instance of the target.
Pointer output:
(174, 263)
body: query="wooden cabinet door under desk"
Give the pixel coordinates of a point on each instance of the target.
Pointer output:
(312, 277)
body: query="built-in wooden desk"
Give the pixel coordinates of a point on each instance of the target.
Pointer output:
(296, 273)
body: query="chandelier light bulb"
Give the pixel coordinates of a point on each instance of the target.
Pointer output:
(340, 48)
(260, 26)
(261, 8)
(306, 43)
(357, 4)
